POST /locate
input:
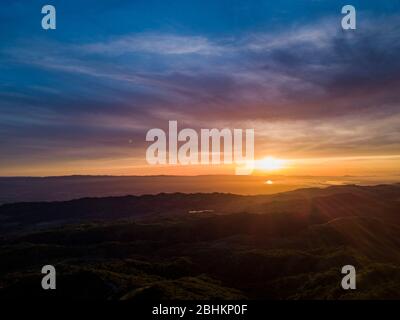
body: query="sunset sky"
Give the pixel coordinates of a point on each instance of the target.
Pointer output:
(80, 99)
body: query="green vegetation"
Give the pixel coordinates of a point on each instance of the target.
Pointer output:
(288, 252)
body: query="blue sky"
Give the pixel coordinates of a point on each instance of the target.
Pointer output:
(85, 94)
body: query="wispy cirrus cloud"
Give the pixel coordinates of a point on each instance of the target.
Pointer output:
(162, 44)
(312, 90)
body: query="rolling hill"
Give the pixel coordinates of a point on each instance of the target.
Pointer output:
(206, 246)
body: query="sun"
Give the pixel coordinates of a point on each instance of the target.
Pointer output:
(269, 164)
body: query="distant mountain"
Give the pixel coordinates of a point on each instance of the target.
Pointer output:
(320, 204)
(285, 246)
(18, 189)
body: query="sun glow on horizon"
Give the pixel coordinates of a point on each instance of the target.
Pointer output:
(269, 164)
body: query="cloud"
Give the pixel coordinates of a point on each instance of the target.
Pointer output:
(314, 89)
(309, 72)
(161, 44)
